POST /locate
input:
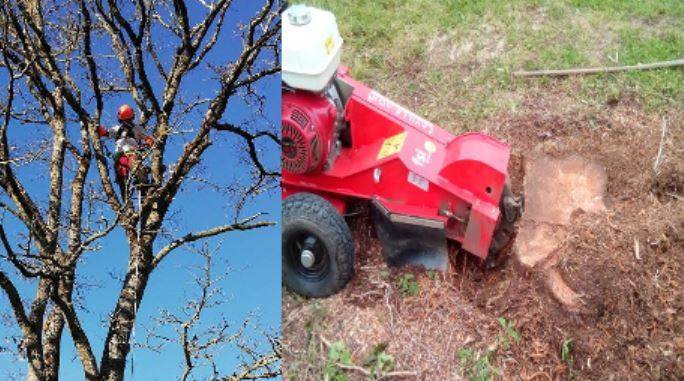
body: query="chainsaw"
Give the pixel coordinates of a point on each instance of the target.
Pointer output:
(343, 142)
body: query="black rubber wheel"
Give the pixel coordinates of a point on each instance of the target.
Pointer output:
(311, 223)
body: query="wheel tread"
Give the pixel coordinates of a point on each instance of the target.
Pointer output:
(314, 208)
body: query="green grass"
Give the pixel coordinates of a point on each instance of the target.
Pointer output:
(477, 366)
(337, 354)
(311, 355)
(379, 362)
(408, 286)
(566, 349)
(509, 334)
(451, 60)
(481, 365)
(567, 357)
(650, 10)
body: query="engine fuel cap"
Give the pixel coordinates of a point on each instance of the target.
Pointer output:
(299, 15)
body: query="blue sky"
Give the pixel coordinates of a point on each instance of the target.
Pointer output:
(253, 284)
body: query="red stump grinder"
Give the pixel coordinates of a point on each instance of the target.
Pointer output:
(343, 142)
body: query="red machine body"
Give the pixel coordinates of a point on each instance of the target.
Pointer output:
(411, 169)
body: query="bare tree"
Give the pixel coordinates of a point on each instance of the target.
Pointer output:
(200, 340)
(61, 62)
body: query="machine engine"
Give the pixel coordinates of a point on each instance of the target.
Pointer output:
(311, 106)
(308, 127)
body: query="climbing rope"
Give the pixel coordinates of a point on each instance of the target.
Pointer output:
(137, 274)
(137, 186)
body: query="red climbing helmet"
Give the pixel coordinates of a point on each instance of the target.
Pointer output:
(126, 113)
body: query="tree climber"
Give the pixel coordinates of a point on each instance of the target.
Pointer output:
(131, 140)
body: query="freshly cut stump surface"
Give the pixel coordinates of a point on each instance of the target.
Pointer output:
(554, 190)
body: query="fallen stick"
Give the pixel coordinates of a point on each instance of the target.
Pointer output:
(597, 70)
(658, 159)
(381, 376)
(637, 252)
(353, 367)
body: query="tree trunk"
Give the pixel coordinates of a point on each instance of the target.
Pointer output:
(31, 374)
(33, 336)
(34, 352)
(52, 333)
(53, 329)
(117, 343)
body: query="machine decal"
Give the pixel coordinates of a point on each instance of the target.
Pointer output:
(419, 181)
(421, 157)
(392, 145)
(430, 146)
(400, 112)
(329, 45)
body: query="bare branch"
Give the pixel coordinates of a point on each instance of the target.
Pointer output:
(250, 138)
(268, 19)
(245, 224)
(16, 303)
(12, 256)
(261, 366)
(199, 339)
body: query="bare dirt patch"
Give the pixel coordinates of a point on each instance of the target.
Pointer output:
(468, 51)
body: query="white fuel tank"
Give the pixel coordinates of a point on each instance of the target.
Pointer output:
(311, 47)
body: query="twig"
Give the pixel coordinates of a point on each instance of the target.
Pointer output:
(658, 159)
(637, 254)
(353, 367)
(381, 376)
(540, 374)
(325, 341)
(675, 196)
(597, 70)
(398, 373)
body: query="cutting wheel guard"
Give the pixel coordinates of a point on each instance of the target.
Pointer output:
(408, 241)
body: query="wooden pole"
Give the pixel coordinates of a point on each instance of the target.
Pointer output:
(597, 70)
